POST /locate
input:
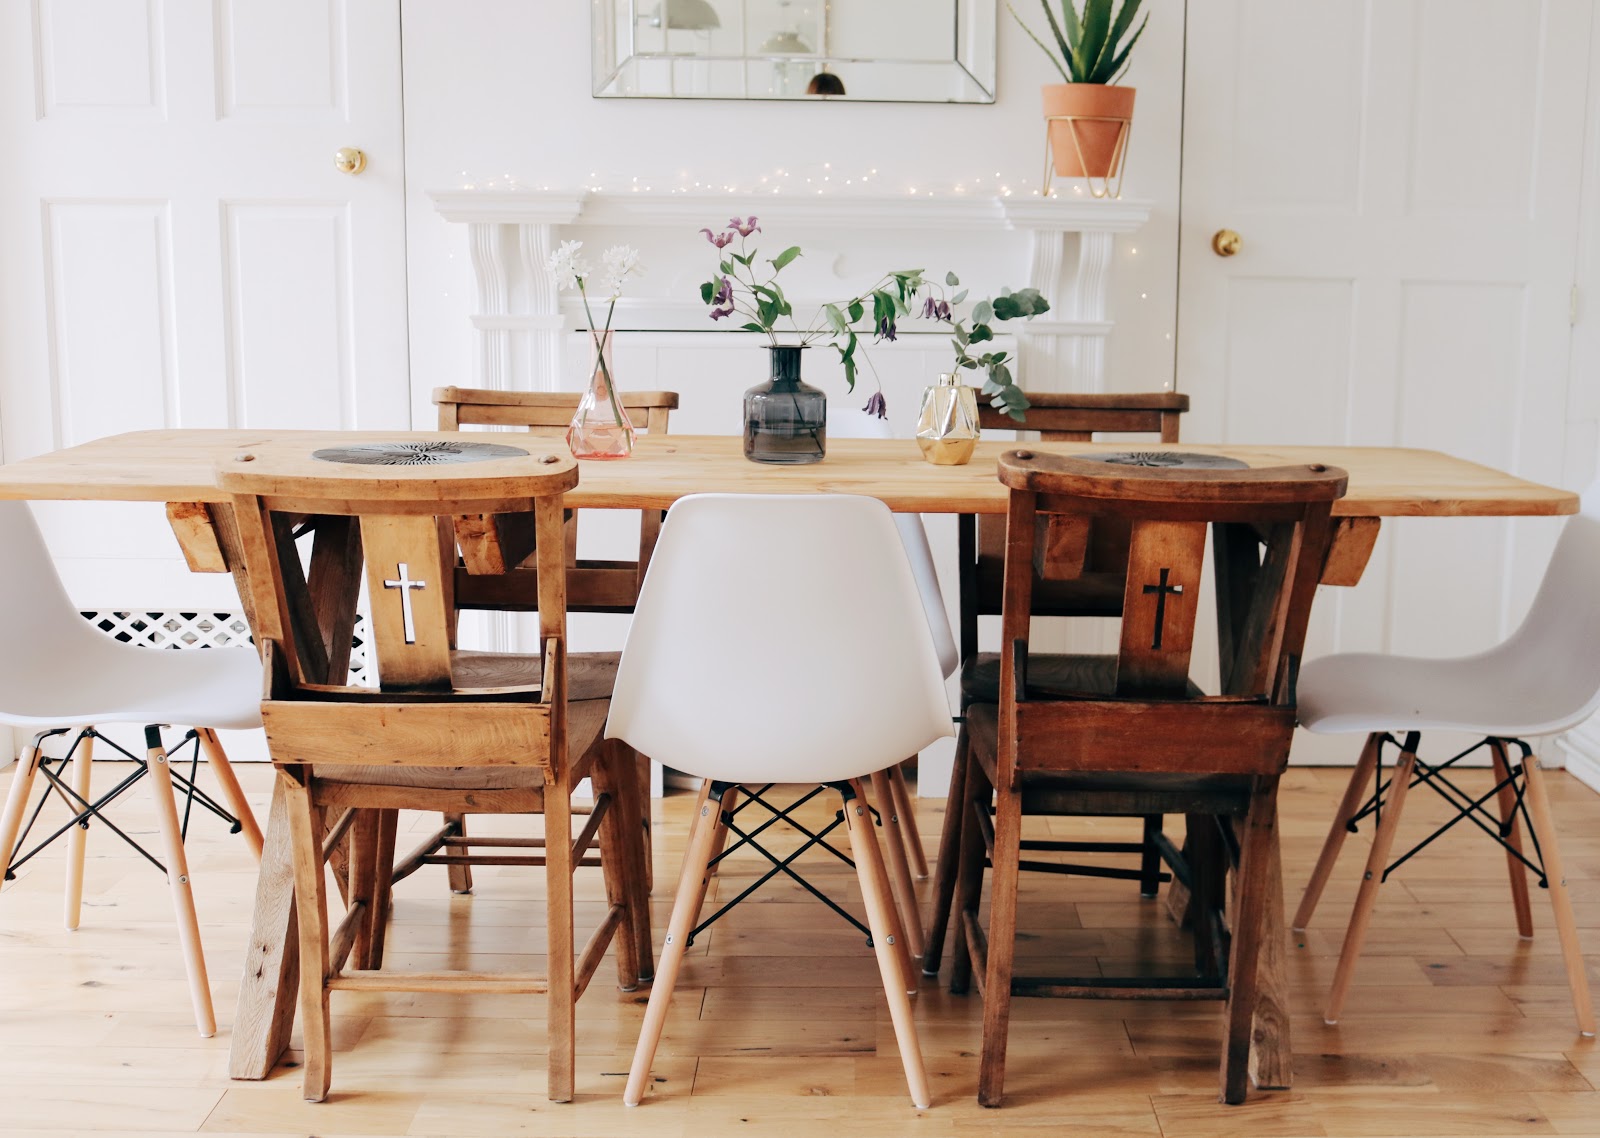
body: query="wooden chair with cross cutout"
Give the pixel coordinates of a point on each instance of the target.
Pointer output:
(1131, 734)
(442, 731)
(604, 586)
(1096, 592)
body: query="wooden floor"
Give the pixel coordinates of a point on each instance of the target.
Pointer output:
(1454, 1027)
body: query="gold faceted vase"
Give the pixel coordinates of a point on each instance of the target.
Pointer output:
(947, 425)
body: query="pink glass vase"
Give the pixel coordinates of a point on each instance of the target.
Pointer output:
(600, 427)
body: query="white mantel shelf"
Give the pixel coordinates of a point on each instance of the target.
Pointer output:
(1068, 214)
(521, 324)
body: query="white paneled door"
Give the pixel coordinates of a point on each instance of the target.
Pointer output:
(180, 248)
(1404, 179)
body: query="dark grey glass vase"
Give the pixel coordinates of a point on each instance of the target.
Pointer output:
(785, 418)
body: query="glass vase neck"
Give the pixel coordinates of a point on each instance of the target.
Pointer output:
(785, 362)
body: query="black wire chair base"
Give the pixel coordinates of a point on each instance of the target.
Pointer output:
(83, 809)
(1467, 808)
(753, 797)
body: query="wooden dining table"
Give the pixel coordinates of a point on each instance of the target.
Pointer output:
(178, 467)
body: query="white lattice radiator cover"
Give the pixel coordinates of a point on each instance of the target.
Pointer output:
(187, 630)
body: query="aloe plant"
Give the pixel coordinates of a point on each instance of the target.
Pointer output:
(1092, 47)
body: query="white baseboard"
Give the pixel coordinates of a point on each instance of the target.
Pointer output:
(1581, 748)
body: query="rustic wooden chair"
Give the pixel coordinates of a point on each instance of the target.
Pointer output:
(1097, 591)
(1130, 733)
(592, 585)
(444, 730)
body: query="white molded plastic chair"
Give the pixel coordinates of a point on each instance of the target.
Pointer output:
(904, 838)
(58, 676)
(1544, 679)
(780, 639)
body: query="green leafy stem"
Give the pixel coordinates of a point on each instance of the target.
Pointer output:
(977, 328)
(754, 293)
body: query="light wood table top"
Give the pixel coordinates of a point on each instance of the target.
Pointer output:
(179, 466)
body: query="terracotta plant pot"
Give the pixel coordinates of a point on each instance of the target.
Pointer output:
(1101, 144)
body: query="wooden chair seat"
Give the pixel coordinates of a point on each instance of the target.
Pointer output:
(1049, 677)
(1111, 793)
(585, 720)
(590, 675)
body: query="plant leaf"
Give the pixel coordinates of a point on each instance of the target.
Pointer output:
(785, 257)
(1072, 47)
(707, 291)
(752, 327)
(951, 279)
(982, 312)
(1118, 66)
(1094, 49)
(959, 297)
(836, 319)
(980, 333)
(855, 310)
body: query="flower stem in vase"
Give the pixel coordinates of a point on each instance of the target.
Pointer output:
(600, 428)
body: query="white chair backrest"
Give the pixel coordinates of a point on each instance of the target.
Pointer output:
(779, 638)
(1555, 653)
(847, 423)
(37, 618)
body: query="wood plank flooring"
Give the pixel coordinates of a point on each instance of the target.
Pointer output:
(1454, 1026)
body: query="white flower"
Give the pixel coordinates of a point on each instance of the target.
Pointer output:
(566, 266)
(617, 264)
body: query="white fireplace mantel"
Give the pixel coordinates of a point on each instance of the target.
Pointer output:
(520, 320)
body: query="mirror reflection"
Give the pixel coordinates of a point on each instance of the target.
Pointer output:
(819, 50)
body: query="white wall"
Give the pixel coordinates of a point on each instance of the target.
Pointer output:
(497, 91)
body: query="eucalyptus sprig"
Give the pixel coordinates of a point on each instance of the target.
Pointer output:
(977, 328)
(745, 285)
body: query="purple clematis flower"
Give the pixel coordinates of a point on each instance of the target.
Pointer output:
(935, 309)
(717, 239)
(722, 302)
(744, 228)
(877, 406)
(886, 329)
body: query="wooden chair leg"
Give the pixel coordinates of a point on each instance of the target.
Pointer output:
(1377, 861)
(1355, 793)
(1251, 895)
(971, 856)
(1518, 872)
(880, 911)
(78, 836)
(622, 863)
(178, 880)
(363, 869)
(561, 1000)
(311, 913)
(1002, 945)
(945, 866)
(231, 790)
(17, 804)
(642, 767)
(1150, 857)
(903, 890)
(460, 875)
(382, 886)
(1560, 899)
(906, 807)
(705, 838)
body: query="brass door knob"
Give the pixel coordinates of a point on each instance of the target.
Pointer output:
(349, 160)
(1225, 242)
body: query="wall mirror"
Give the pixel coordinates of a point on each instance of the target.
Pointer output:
(897, 51)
